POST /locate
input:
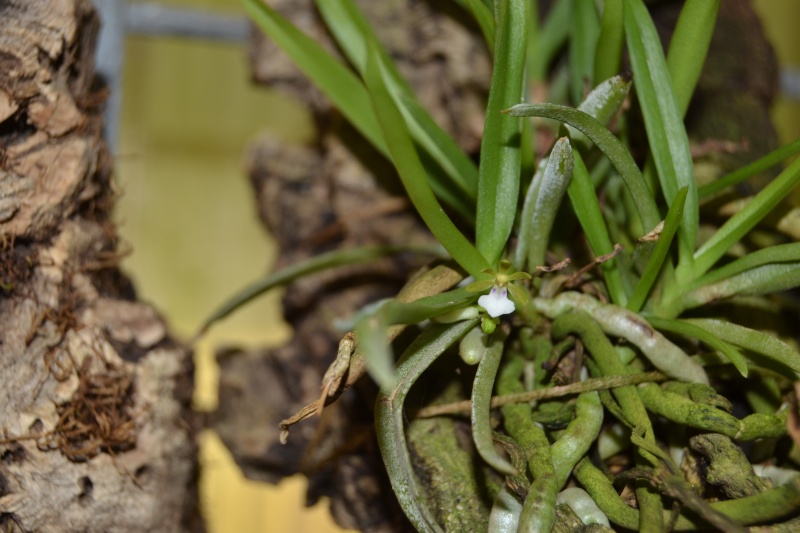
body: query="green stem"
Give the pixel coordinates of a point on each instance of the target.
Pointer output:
(765, 507)
(618, 321)
(538, 512)
(576, 440)
(608, 362)
(708, 418)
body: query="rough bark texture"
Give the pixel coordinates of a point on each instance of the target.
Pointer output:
(94, 395)
(334, 194)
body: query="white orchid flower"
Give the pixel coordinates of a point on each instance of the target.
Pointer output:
(497, 302)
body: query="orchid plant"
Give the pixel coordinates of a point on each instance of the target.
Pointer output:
(634, 335)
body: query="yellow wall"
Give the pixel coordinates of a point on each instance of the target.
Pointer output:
(187, 209)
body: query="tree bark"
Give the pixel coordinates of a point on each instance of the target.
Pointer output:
(96, 429)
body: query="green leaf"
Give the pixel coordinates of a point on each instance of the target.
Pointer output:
(481, 400)
(371, 327)
(602, 103)
(742, 222)
(587, 209)
(527, 156)
(668, 141)
(583, 34)
(528, 206)
(390, 418)
(550, 40)
(746, 172)
(608, 144)
(352, 32)
(782, 253)
(412, 174)
(484, 17)
(337, 81)
(764, 279)
(554, 183)
(695, 331)
(445, 191)
(659, 254)
(756, 341)
(395, 312)
(442, 148)
(609, 43)
(374, 343)
(688, 48)
(499, 171)
(304, 268)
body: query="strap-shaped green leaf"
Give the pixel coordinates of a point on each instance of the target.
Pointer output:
(763, 279)
(372, 326)
(742, 222)
(499, 170)
(528, 206)
(602, 103)
(696, 331)
(688, 48)
(551, 38)
(748, 171)
(484, 17)
(609, 43)
(587, 209)
(395, 312)
(551, 190)
(412, 174)
(389, 419)
(349, 95)
(781, 253)
(654, 265)
(584, 30)
(750, 339)
(608, 144)
(304, 268)
(374, 344)
(328, 73)
(668, 141)
(352, 32)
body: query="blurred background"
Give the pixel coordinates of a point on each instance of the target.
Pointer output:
(187, 113)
